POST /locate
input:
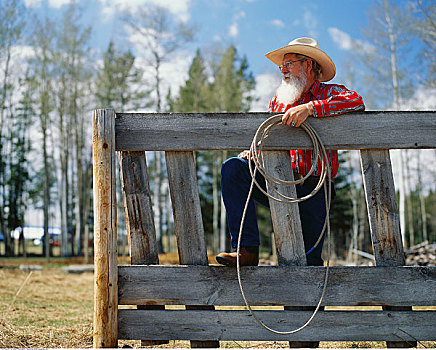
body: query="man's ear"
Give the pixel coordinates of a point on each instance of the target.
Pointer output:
(308, 65)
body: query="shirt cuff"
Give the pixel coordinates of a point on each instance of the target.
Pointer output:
(319, 108)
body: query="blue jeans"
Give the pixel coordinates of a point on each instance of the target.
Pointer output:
(235, 185)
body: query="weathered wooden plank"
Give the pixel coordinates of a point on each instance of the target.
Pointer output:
(139, 217)
(381, 202)
(288, 233)
(188, 221)
(285, 216)
(234, 131)
(138, 207)
(239, 325)
(277, 285)
(185, 200)
(105, 230)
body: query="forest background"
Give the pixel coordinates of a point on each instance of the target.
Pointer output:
(47, 93)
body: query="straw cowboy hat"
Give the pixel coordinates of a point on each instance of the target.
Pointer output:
(308, 47)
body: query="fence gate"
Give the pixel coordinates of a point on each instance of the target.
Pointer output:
(201, 303)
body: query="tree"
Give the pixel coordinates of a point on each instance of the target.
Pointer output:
(42, 71)
(423, 14)
(231, 92)
(19, 179)
(118, 83)
(11, 28)
(70, 60)
(161, 36)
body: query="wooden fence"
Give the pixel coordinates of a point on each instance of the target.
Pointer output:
(209, 294)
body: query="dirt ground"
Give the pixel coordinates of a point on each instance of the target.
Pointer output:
(50, 308)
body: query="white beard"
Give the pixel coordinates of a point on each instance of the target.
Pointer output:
(292, 89)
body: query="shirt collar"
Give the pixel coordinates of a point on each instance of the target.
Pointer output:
(315, 88)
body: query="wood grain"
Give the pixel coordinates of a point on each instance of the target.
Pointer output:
(238, 325)
(105, 230)
(277, 285)
(234, 131)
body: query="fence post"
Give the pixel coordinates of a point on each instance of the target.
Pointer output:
(105, 230)
(381, 202)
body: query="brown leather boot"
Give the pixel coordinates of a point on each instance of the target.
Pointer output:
(248, 256)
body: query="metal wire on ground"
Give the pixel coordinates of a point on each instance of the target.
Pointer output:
(256, 155)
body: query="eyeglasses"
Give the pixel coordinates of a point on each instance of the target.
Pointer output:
(289, 64)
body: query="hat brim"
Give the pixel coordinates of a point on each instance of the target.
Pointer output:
(328, 69)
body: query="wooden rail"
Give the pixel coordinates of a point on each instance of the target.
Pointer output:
(209, 294)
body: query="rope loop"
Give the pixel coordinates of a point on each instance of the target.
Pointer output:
(256, 157)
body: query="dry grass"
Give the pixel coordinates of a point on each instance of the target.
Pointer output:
(53, 309)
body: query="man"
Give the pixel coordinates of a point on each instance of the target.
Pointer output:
(302, 93)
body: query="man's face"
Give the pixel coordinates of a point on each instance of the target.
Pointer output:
(291, 65)
(294, 79)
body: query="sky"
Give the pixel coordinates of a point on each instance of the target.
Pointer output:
(254, 27)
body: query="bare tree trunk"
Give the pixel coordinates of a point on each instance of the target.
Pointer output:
(422, 200)
(156, 199)
(9, 248)
(395, 86)
(46, 194)
(402, 203)
(354, 200)
(363, 223)
(409, 204)
(64, 201)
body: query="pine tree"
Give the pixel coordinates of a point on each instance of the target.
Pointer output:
(118, 83)
(19, 179)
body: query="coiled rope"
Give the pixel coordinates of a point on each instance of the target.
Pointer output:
(256, 155)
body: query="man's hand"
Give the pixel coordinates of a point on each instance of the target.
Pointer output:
(244, 154)
(296, 116)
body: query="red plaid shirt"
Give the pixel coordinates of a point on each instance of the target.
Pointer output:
(328, 100)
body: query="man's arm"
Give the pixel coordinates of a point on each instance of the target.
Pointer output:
(338, 100)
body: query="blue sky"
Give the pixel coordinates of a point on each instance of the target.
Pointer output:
(254, 27)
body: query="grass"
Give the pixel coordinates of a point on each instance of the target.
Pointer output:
(53, 309)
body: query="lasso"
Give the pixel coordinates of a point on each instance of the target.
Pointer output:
(256, 157)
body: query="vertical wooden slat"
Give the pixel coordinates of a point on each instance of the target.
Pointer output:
(138, 206)
(139, 217)
(383, 216)
(287, 225)
(188, 221)
(105, 231)
(185, 199)
(285, 217)
(382, 207)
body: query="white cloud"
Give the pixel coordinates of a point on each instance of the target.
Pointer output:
(173, 74)
(51, 3)
(266, 85)
(346, 42)
(278, 23)
(179, 8)
(234, 28)
(341, 38)
(423, 99)
(32, 3)
(310, 22)
(58, 3)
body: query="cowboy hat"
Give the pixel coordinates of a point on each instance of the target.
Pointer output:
(308, 47)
